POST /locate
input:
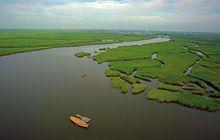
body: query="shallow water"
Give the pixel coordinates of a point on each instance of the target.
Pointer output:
(154, 56)
(39, 90)
(189, 69)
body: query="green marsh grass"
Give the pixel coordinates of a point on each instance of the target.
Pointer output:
(130, 79)
(117, 82)
(170, 87)
(176, 60)
(189, 100)
(111, 73)
(82, 54)
(138, 88)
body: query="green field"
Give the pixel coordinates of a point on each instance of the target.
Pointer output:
(202, 51)
(15, 41)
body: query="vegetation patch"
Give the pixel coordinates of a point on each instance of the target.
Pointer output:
(138, 88)
(111, 73)
(142, 77)
(82, 54)
(117, 82)
(129, 66)
(170, 87)
(196, 90)
(130, 79)
(210, 75)
(190, 100)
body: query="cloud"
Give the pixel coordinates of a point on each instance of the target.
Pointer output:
(109, 5)
(130, 14)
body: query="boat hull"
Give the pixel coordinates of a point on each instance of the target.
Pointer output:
(79, 122)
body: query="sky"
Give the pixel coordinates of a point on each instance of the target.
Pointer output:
(161, 15)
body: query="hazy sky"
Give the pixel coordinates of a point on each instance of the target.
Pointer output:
(176, 15)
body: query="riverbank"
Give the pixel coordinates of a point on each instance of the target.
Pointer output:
(19, 41)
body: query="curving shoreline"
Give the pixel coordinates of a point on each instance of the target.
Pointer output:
(122, 43)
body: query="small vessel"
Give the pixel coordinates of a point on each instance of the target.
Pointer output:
(80, 120)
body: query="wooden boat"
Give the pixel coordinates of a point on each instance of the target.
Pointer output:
(80, 120)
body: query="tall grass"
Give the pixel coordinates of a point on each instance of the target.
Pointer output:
(111, 73)
(189, 100)
(117, 82)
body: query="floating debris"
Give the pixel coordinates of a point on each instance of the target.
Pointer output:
(83, 75)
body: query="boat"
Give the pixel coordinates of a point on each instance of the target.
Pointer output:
(80, 120)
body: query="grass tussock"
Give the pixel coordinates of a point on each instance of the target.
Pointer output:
(138, 88)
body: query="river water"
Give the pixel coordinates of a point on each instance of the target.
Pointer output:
(39, 90)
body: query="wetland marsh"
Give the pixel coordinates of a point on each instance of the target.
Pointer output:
(43, 88)
(177, 64)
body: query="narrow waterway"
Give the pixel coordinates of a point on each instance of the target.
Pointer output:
(196, 52)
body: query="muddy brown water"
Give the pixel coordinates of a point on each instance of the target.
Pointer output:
(39, 90)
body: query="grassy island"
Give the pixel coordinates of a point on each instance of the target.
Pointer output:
(82, 54)
(117, 82)
(138, 88)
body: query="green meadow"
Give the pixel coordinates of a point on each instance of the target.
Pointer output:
(15, 41)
